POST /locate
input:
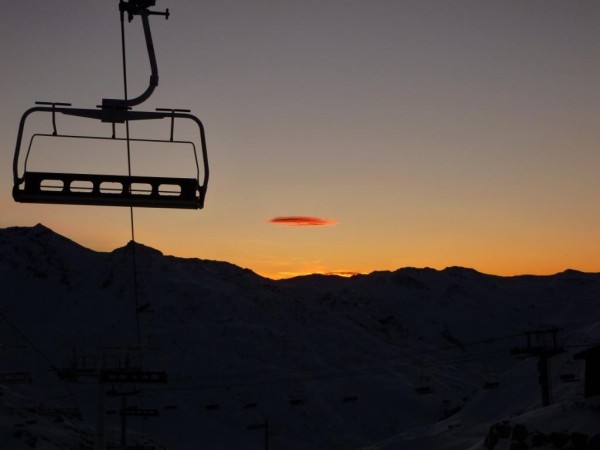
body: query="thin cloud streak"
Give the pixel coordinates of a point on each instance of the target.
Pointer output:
(337, 273)
(343, 273)
(303, 221)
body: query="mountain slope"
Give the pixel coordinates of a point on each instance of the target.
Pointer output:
(331, 362)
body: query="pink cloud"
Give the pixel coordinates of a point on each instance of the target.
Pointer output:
(303, 221)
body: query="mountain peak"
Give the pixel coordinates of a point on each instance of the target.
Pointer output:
(40, 227)
(139, 248)
(39, 233)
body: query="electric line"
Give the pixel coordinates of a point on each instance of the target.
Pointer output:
(30, 342)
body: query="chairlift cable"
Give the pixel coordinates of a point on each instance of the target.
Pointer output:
(131, 215)
(128, 144)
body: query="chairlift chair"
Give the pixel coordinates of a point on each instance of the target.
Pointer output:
(424, 385)
(568, 378)
(491, 381)
(111, 189)
(423, 390)
(569, 373)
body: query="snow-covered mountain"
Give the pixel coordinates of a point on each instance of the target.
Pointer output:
(409, 359)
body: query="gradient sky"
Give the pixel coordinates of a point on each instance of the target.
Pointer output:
(425, 133)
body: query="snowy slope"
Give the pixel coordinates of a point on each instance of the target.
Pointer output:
(387, 360)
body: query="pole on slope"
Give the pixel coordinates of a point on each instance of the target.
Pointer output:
(544, 345)
(261, 426)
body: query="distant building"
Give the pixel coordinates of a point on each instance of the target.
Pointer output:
(592, 370)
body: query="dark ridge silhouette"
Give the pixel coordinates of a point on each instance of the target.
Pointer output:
(228, 337)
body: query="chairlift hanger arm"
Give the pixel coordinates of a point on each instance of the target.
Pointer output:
(139, 8)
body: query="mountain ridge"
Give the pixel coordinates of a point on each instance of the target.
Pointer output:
(328, 359)
(41, 231)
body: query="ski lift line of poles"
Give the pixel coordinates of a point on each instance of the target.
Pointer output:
(288, 376)
(291, 375)
(300, 373)
(344, 374)
(384, 363)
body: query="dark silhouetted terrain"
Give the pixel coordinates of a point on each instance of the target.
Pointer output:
(406, 359)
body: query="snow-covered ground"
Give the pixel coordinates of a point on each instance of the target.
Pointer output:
(409, 359)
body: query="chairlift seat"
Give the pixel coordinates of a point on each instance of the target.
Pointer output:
(109, 190)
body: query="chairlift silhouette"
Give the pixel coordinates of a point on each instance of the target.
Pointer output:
(424, 389)
(250, 405)
(114, 189)
(568, 378)
(568, 374)
(297, 401)
(424, 385)
(491, 380)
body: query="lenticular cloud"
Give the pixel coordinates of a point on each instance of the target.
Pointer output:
(303, 221)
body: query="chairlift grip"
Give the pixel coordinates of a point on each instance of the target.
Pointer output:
(109, 104)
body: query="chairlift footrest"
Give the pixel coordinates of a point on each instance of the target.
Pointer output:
(109, 190)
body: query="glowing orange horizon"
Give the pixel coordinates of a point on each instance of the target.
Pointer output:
(340, 254)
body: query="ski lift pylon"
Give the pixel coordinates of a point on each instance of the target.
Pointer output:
(110, 189)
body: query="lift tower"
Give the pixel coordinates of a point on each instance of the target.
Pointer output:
(544, 345)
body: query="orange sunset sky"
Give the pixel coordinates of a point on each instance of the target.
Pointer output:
(392, 133)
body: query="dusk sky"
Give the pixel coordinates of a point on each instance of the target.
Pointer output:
(343, 136)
